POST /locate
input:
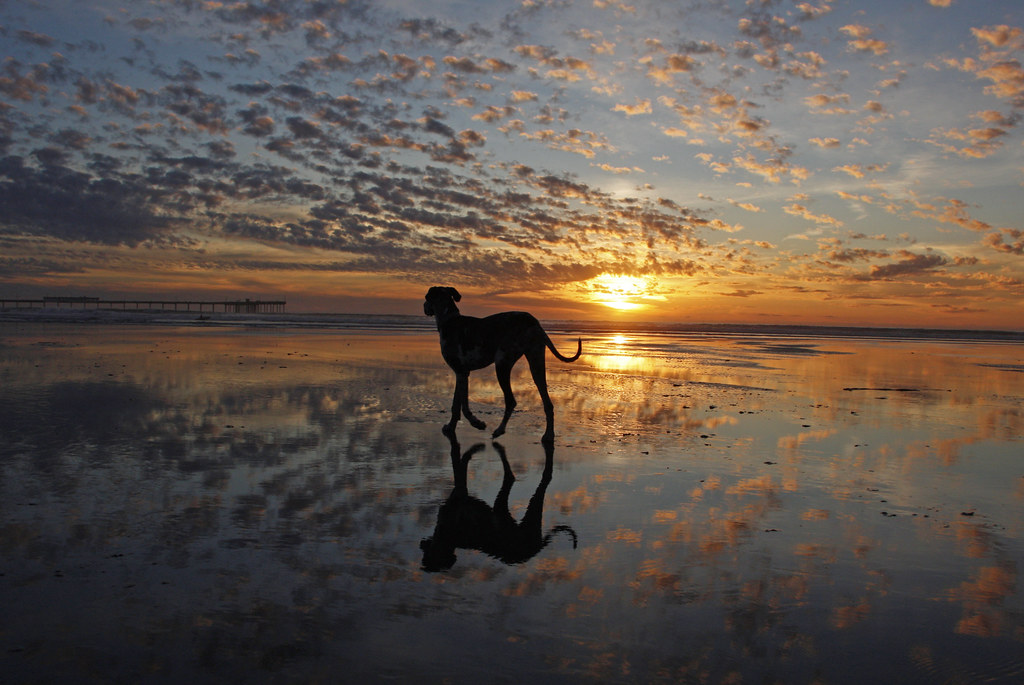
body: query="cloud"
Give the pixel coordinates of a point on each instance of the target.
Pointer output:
(803, 212)
(22, 85)
(806, 65)
(586, 143)
(619, 169)
(997, 62)
(62, 203)
(639, 107)
(810, 11)
(910, 264)
(750, 207)
(850, 255)
(997, 36)
(955, 212)
(663, 71)
(975, 143)
(559, 68)
(467, 65)
(827, 143)
(997, 240)
(773, 170)
(859, 170)
(861, 40)
(39, 39)
(822, 103)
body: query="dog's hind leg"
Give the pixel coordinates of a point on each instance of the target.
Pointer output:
(503, 369)
(536, 360)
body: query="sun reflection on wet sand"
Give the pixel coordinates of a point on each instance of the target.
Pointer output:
(188, 503)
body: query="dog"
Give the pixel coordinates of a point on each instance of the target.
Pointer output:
(467, 522)
(469, 343)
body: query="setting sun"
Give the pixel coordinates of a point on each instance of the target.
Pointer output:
(621, 292)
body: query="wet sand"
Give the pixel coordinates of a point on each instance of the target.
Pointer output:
(183, 504)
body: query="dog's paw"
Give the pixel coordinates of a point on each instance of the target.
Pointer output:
(498, 432)
(478, 424)
(448, 429)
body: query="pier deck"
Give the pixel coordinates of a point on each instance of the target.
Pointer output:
(245, 306)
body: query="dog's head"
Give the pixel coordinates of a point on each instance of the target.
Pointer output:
(441, 300)
(436, 557)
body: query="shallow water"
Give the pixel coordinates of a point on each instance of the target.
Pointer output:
(231, 505)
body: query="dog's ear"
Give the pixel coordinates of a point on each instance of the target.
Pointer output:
(427, 309)
(455, 294)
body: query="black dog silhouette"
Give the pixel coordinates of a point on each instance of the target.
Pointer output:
(466, 522)
(469, 343)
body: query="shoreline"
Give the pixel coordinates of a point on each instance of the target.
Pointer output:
(414, 323)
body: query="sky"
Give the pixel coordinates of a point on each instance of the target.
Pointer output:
(820, 162)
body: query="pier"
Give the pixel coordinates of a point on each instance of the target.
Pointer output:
(245, 306)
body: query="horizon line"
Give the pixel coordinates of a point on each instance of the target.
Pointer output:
(636, 326)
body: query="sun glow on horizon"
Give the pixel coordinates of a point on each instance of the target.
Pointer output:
(622, 292)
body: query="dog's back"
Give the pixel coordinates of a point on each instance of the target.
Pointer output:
(469, 343)
(466, 522)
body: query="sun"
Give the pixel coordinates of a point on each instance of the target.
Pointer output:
(622, 292)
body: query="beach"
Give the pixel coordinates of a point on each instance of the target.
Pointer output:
(232, 503)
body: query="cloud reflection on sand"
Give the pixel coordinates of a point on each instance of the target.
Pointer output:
(251, 504)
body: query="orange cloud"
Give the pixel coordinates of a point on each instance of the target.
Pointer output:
(826, 142)
(861, 40)
(639, 107)
(804, 213)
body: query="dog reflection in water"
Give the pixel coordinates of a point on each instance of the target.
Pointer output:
(467, 522)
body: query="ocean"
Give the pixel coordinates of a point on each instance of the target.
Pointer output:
(408, 322)
(268, 499)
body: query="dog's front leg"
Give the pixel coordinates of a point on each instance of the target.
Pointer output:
(461, 390)
(473, 421)
(460, 405)
(500, 508)
(461, 382)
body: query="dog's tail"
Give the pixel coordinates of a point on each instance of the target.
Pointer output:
(551, 346)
